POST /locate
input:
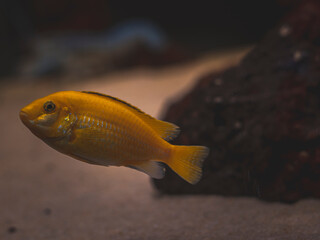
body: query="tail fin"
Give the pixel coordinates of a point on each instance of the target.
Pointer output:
(186, 161)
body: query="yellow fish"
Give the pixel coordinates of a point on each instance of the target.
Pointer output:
(103, 130)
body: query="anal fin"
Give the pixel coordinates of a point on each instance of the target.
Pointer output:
(152, 168)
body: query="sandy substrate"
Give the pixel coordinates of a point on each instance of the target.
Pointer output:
(46, 195)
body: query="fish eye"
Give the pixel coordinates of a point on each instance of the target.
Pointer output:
(49, 107)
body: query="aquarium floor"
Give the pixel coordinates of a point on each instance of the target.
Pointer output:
(46, 195)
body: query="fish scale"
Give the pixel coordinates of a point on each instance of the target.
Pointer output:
(111, 137)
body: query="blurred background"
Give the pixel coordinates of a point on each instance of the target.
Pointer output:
(85, 38)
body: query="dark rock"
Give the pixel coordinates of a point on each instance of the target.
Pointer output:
(47, 211)
(260, 119)
(12, 229)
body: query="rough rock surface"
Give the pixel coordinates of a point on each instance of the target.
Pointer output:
(260, 119)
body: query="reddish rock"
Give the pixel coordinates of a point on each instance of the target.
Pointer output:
(261, 119)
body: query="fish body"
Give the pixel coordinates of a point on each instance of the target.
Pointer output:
(103, 130)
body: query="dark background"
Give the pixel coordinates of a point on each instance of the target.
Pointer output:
(198, 27)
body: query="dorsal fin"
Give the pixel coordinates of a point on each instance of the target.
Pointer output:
(166, 130)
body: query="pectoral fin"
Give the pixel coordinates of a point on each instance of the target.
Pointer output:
(152, 168)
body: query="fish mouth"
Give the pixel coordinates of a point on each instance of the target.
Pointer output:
(25, 118)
